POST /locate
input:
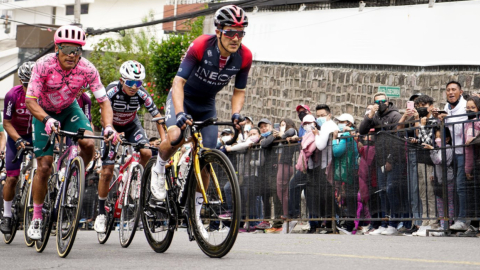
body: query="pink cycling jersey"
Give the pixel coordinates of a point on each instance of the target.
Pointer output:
(55, 89)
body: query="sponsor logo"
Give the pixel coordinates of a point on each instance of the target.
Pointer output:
(148, 102)
(143, 95)
(125, 107)
(233, 68)
(180, 70)
(75, 118)
(167, 112)
(204, 74)
(88, 125)
(110, 154)
(209, 53)
(138, 137)
(9, 108)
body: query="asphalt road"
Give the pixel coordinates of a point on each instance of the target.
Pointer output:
(255, 251)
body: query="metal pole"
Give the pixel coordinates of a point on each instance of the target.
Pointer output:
(76, 11)
(174, 15)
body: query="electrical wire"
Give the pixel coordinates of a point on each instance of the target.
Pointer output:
(41, 13)
(34, 25)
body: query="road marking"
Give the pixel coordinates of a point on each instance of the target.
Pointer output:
(366, 257)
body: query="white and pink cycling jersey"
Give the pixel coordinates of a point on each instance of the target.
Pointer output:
(55, 89)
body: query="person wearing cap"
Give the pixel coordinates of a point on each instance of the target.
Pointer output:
(345, 155)
(226, 136)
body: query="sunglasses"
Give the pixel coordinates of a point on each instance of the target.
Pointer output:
(131, 83)
(380, 101)
(70, 49)
(232, 33)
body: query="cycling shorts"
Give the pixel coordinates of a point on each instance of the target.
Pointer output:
(134, 133)
(13, 169)
(71, 119)
(200, 109)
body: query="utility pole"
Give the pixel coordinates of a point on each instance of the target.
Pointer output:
(76, 11)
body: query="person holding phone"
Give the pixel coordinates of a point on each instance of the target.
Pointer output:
(389, 160)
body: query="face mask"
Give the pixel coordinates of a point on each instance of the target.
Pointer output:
(341, 126)
(321, 120)
(368, 112)
(471, 116)
(266, 134)
(454, 103)
(422, 111)
(302, 114)
(438, 141)
(247, 127)
(308, 127)
(282, 128)
(254, 138)
(382, 107)
(226, 138)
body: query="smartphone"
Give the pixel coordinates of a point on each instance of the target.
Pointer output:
(276, 126)
(442, 112)
(410, 105)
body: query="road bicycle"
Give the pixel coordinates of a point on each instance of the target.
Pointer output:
(123, 195)
(161, 218)
(64, 197)
(22, 190)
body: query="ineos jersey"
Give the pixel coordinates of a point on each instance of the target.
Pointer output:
(201, 68)
(125, 107)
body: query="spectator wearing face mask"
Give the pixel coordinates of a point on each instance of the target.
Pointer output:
(345, 155)
(248, 126)
(302, 111)
(389, 165)
(226, 136)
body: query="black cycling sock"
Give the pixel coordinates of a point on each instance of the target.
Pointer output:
(101, 206)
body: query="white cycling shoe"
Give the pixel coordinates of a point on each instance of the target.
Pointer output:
(157, 185)
(35, 229)
(100, 224)
(201, 228)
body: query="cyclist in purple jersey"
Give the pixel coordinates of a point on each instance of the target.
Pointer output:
(85, 104)
(210, 63)
(18, 124)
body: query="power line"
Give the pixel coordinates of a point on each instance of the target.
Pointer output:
(37, 12)
(34, 25)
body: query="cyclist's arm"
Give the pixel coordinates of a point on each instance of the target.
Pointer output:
(177, 93)
(107, 113)
(35, 109)
(12, 133)
(3, 141)
(238, 98)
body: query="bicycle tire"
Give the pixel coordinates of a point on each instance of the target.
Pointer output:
(28, 212)
(48, 213)
(162, 243)
(111, 199)
(130, 205)
(218, 161)
(75, 179)
(8, 238)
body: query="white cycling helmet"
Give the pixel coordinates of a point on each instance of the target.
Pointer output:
(132, 70)
(70, 34)
(25, 71)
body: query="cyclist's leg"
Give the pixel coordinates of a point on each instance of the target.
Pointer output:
(74, 119)
(106, 175)
(136, 134)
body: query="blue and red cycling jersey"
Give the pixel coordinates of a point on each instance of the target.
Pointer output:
(201, 68)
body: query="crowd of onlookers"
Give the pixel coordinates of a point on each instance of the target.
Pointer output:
(397, 171)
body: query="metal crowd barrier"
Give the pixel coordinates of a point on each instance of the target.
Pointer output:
(385, 176)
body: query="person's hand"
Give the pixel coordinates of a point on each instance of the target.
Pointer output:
(113, 137)
(50, 126)
(373, 111)
(413, 140)
(411, 112)
(228, 148)
(423, 121)
(292, 139)
(315, 131)
(335, 134)
(346, 129)
(469, 177)
(388, 166)
(469, 141)
(276, 133)
(427, 146)
(236, 118)
(20, 143)
(183, 120)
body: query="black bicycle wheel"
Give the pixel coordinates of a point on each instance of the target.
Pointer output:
(8, 238)
(222, 232)
(28, 210)
(70, 207)
(157, 218)
(130, 209)
(110, 202)
(48, 213)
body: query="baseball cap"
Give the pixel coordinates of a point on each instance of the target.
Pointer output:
(227, 131)
(249, 118)
(346, 117)
(264, 120)
(303, 106)
(308, 118)
(414, 96)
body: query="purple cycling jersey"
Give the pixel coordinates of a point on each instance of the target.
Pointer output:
(16, 111)
(86, 104)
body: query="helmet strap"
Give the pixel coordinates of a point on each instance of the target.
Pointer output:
(221, 43)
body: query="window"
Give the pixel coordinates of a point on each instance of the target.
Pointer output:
(83, 9)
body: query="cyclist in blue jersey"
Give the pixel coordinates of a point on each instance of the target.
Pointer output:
(210, 63)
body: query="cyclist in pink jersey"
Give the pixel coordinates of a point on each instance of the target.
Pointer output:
(51, 98)
(18, 124)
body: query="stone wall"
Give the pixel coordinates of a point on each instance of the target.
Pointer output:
(274, 90)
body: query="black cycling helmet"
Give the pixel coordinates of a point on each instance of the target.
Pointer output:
(230, 15)
(25, 71)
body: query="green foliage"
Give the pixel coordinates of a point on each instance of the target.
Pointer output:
(161, 59)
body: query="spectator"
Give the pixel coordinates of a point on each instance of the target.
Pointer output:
(248, 126)
(436, 155)
(345, 155)
(367, 177)
(385, 114)
(456, 107)
(423, 112)
(225, 136)
(153, 143)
